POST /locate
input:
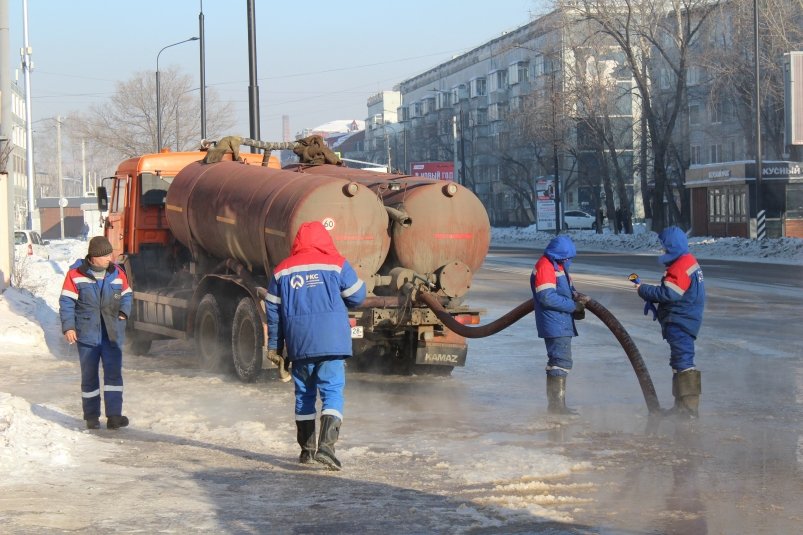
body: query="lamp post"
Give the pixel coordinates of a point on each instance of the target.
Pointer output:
(760, 221)
(159, 96)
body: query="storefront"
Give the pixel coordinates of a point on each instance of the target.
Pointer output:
(723, 199)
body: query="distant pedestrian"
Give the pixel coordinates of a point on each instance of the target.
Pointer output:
(94, 305)
(85, 231)
(681, 300)
(306, 307)
(555, 313)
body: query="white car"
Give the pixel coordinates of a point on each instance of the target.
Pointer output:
(577, 219)
(30, 243)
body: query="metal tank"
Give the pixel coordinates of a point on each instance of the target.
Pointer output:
(252, 213)
(442, 228)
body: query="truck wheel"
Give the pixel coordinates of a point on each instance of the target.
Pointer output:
(247, 340)
(212, 336)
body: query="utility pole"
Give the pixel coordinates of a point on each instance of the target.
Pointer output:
(253, 87)
(760, 221)
(26, 69)
(61, 180)
(556, 161)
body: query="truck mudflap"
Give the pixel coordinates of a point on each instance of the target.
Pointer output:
(441, 354)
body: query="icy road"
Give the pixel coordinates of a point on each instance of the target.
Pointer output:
(471, 453)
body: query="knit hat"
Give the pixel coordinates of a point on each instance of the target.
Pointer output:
(99, 246)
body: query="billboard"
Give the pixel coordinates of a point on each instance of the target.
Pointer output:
(545, 203)
(436, 170)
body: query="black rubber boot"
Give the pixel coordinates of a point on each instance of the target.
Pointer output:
(93, 422)
(116, 422)
(556, 395)
(330, 430)
(686, 387)
(305, 435)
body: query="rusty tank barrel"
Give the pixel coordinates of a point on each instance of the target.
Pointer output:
(252, 213)
(446, 230)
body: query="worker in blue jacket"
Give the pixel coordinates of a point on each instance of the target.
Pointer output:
(555, 312)
(94, 305)
(681, 299)
(307, 315)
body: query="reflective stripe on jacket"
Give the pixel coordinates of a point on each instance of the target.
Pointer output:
(85, 306)
(308, 295)
(681, 295)
(552, 295)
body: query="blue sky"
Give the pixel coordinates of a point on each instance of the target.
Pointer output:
(315, 64)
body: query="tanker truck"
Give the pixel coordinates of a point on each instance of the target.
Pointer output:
(199, 241)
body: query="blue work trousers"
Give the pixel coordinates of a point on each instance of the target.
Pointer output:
(559, 356)
(681, 347)
(91, 357)
(325, 376)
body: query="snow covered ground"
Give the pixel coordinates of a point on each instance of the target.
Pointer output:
(780, 250)
(41, 442)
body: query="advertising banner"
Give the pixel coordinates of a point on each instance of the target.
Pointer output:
(545, 203)
(436, 170)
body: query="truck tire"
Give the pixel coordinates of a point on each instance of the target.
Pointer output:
(212, 336)
(247, 340)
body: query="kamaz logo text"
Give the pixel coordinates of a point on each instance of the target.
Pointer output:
(440, 357)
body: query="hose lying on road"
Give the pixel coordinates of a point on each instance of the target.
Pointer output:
(610, 321)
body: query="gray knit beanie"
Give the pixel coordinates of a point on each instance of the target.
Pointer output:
(99, 246)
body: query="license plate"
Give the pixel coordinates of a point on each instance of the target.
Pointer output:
(356, 332)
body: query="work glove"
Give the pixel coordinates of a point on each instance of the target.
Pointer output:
(281, 365)
(650, 307)
(579, 311)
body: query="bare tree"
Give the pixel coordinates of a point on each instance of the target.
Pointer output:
(126, 124)
(729, 60)
(655, 37)
(599, 86)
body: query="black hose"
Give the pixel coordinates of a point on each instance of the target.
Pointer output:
(610, 321)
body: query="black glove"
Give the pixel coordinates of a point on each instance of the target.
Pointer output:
(579, 311)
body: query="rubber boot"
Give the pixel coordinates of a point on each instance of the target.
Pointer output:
(116, 422)
(556, 395)
(330, 430)
(93, 422)
(305, 435)
(686, 387)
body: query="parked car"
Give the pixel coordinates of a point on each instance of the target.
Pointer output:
(30, 243)
(577, 219)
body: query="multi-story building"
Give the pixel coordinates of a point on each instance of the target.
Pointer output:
(13, 151)
(506, 114)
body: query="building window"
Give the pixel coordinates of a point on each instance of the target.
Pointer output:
(715, 112)
(727, 204)
(478, 87)
(716, 153)
(666, 78)
(693, 75)
(501, 79)
(695, 155)
(694, 114)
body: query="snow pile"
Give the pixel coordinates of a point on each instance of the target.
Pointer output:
(781, 250)
(32, 443)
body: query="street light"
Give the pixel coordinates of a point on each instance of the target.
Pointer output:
(159, 96)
